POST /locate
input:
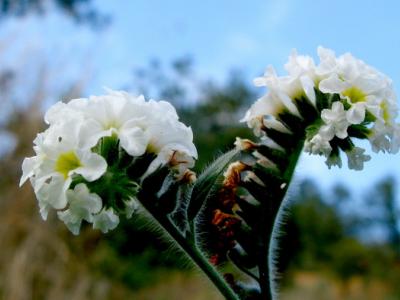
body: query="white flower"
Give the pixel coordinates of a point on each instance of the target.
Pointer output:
(327, 63)
(71, 150)
(356, 158)
(270, 105)
(302, 69)
(58, 158)
(106, 220)
(318, 145)
(172, 141)
(141, 126)
(283, 91)
(336, 122)
(300, 80)
(82, 206)
(350, 98)
(361, 85)
(379, 137)
(115, 114)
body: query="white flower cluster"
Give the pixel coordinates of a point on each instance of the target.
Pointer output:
(68, 149)
(352, 100)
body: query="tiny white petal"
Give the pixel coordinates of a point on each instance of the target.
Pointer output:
(93, 166)
(105, 220)
(356, 113)
(318, 145)
(332, 85)
(336, 122)
(134, 141)
(356, 158)
(28, 167)
(308, 86)
(82, 206)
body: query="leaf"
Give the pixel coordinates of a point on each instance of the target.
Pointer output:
(208, 182)
(179, 215)
(151, 184)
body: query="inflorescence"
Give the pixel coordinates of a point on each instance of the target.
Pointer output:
(340, 99)
(91, 160)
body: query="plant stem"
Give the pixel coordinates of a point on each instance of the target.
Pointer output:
(188, 245)
(272, 223)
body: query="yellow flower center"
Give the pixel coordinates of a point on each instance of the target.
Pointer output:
(67, 162)
(151, 148)
(112, 124)
(355, 94)
(385, 111)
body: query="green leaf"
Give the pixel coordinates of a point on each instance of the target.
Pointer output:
(168, 194)
(208, 182)
(179, 215)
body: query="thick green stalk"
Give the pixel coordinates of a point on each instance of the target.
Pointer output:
(272, 224)
(188, 245)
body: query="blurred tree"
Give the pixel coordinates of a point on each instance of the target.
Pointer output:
(384, 211)
(311, 230)
(325, 235)
(81, 10)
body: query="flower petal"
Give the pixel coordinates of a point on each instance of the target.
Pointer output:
(356, 113)
(134, 141)
(93, 165)
(105, 220)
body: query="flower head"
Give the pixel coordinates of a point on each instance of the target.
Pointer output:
(331, 103)
(90, 161)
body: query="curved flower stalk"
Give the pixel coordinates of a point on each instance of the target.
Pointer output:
(103, 157)
(321, 109)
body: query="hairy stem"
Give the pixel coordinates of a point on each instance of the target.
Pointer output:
(272, 224)
(188, 245)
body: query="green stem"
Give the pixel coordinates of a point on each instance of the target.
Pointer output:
(188, 245)
(294, 158)
(265, 268)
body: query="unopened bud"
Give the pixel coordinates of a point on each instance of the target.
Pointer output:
(263, 161)
(188, 177)
(245, 144)
(232, 174)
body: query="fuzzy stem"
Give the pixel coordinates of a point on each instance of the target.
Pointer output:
(188, 245)
(272, 223)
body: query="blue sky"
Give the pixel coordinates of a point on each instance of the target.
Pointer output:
(219, 35)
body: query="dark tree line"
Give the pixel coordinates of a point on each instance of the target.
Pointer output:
(82, 11)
